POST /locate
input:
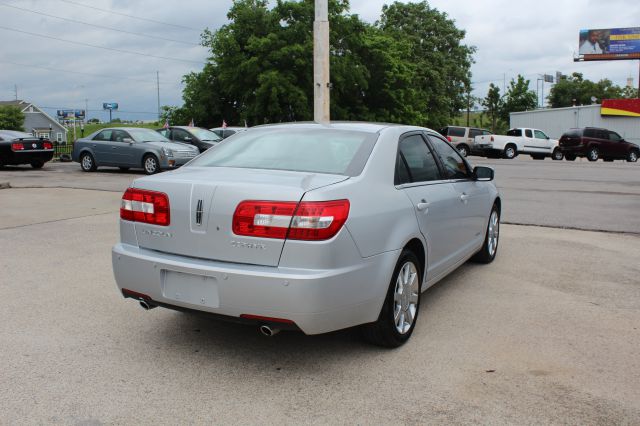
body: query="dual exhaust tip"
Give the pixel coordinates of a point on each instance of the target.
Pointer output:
(264, 329)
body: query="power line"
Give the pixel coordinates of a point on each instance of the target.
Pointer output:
(100, 110)
(128, 16)
(102, 47)
(98, 26)
(79, 72)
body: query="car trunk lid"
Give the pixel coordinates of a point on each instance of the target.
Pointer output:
(202, 204)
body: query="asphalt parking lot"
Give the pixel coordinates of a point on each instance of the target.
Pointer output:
(548, 333)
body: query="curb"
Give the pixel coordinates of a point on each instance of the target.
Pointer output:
(5, 185)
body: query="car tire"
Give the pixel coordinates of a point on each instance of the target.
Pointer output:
(510, 152)
(150, 164)
(491, 239)
(37, 164)
(463, 149)
(123, 169)
(557, 155)
(570, 157)
(538, 157)
(593, 154)
(393, 329)
(87, 162)
(632, 156)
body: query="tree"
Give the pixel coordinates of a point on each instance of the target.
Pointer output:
(575, 90)
(517, 98)
(629, 92)
(493, 105)
(175, 116)
(11, 118)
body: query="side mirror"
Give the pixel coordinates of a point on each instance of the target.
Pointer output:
(127, 140)
(483, 173)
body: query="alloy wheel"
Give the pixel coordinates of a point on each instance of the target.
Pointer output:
(87, 162)
(493, 233)
(405, 297)
(150, 165)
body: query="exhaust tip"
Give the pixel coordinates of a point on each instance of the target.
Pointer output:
(268, 331)
(145, 305)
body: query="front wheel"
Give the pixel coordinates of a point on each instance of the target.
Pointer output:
(150, 164)
(399, 312)
(593, 154)
(463, 150)
(632, 156)
(557, 155)
(490, 247)
(87, 162)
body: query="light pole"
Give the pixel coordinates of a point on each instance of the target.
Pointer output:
(321, 82)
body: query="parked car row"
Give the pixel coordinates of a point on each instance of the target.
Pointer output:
(590, 142)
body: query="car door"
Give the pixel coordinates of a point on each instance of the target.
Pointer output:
(616, 147)
(473, 203)
(541, 142)
(181, 135)
(122, 147)
(419, 176)
(101, 147)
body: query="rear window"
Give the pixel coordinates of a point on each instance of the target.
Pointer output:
(573, 133)
(329, 151)
(514, 132)
(456, 131)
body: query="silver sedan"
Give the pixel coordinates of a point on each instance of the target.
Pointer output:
(308, 227)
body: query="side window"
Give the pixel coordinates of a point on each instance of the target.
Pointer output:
(179, 135)
(164, 132)
(514, 132)
(602, 134)
(540, 134)
(474, 132)
(528, 133)
(104, 135)
(457, 131)
(613, 136)
(402, 173)
(119, 136)
(590, 133)
(417, 159)
(454, 165)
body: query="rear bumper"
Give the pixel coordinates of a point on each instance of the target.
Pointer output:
(317, 301)
(28, 156)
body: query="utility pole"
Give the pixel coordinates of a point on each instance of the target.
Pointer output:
(86, 109)
(321, 81)
(158, 86)
(15, 88)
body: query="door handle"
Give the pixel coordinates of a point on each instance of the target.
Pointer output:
(464, 197)
(423, 206)
(113, 147)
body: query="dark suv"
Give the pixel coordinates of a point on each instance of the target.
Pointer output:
(594, 143)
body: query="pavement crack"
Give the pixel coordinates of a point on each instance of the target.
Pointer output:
(55, 220)
(573, 228)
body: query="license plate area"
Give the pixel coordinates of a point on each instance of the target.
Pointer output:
(199, 290)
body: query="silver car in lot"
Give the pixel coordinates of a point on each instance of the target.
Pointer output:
(131, 147)
(309, 227)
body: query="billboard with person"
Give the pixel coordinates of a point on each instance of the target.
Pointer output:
(608, 44)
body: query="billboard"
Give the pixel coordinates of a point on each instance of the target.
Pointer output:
(609, 44)
(620, 107)
(71, 114)
(110, 105)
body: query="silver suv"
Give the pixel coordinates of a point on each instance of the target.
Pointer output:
(463, 138)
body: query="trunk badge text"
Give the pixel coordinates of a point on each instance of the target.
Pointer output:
(155, 233)
(241, 244)
(199, 213)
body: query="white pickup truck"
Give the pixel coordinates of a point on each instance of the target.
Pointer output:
(519, 141)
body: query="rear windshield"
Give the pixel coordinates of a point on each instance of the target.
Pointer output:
(146, 135)
(573, 133)
(330, 151)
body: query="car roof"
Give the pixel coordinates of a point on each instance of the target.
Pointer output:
(361, 126)
(15, 134)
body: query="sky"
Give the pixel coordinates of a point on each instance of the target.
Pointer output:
(36, 54)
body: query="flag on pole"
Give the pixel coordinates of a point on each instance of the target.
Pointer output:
(224, 124)
(191, 123)
(166, 124)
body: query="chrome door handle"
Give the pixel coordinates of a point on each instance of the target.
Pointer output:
(423, 206)
(464, 197)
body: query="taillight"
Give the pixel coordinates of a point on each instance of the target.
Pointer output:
(491, 138)
(47, 145)
(449, 138)
(311, 221)
(17, 146)
(140, 205)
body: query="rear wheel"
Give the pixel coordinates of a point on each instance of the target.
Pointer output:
(490, 247)
(399, 312)
(570, 157)
(632, 156)
(463, 149)
(510, 151)
(87, 163)
(37, 164)
(557, 155)
(593, 154)
(150, 164)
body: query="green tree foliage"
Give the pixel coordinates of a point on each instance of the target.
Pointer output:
(176, 116)
(11, 118)
(410, 67)
(575, 87)
(493, 105)
(518, 98)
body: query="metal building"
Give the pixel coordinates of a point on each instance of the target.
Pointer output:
(554, 122)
